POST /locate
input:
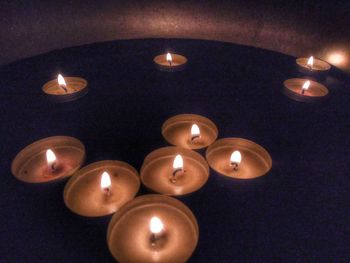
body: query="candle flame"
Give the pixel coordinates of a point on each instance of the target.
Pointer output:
(310, 62)
(156, 225)
(50, 157)
(306, 85)
(236, 157)
(61, 80)
(169, 58)
(195, 130)
(338, 58)
(105, 180)
(178, 162)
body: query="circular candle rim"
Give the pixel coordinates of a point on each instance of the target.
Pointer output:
(93, 166)
(301, 97)
(300, 62)
(147, 201)
(54, 82)
(60, 98)
(235, 141)
(157, 155)
(175, 57)
(189, 118)
(37, 145)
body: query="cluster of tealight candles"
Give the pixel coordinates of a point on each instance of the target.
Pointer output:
(307, 89)
(154, 227)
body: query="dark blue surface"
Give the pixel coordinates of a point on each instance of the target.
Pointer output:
(299, 212)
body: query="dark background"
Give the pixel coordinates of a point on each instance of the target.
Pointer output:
(298, 212)
(298, 27)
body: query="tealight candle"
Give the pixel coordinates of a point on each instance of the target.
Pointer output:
(153, 228)
(189, 131)
(48, 159)
(101, 188)
(304, 90)
(238, 158)
(65, 89)
(312, 66)
(170, 62)
(174, 171)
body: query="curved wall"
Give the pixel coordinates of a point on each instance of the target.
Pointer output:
(298, 28)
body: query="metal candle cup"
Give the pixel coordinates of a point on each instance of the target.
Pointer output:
(76, 88)
(84, 195)
(31, 165)
(318, 68)
(177, 63)
(177, 131)
(256, 161)
(130, 238)
(158, 172)
(293, 89)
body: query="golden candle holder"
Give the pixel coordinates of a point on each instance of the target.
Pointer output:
(312, 66)
(305, 90)
(189, 131)
(174, 171)
(170, 62)
(153, 228)
(87, 194)
(64, 156)
(71, 89)
(238, 158)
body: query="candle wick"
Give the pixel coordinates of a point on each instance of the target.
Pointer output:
(302, 91)
(64, 88)
(235, 166)
(173, 179)
(107, 191)
(153, 239)
(170, 63)
(53, 167)
(194, 137)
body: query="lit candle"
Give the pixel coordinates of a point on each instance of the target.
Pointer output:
(51, 160)
(304, 90)
(106, 183)
(312, 66)
(170, 62)
(156, 227)
(235, 159)
(223, 160)
(190, 131)
(177, 167)
(305, 86)
(169, 58)
(153, 228)
(174, 171)
(195, 132)
(310, 62)
(62, 83)
(93, 192)
(64, 89)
